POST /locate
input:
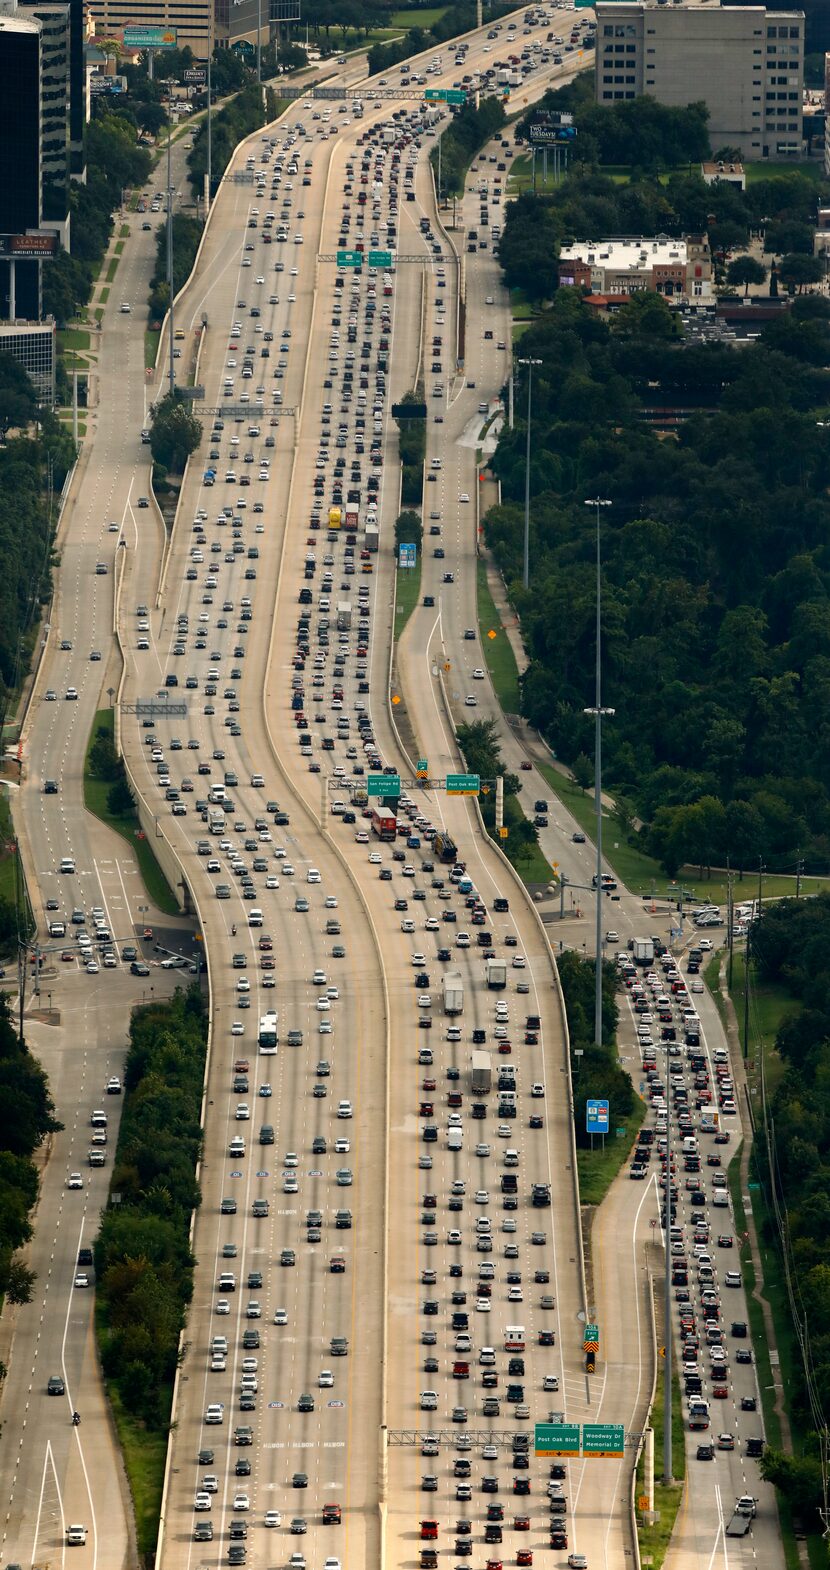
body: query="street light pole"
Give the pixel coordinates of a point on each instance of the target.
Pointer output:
(259, 41)
(598, 711)
(209, 137)
(526, 559)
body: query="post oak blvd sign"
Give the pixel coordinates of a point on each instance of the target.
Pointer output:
(463, 784)
(557, 1439)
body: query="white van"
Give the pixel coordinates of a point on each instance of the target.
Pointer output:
(454, 1138)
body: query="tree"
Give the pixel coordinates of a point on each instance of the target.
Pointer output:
(745, 270)
(788, 235)
(797, 270)
(174, 432)
(646, 315)
(582, 770)
(120, 799)
(408, 528)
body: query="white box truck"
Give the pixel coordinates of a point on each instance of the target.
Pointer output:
(453, 992)
(482, 1074)
(496, 972)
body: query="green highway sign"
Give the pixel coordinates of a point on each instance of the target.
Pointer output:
(591, 1334)
(380, 259)
(463, 784)
(603, 1439)
(445, 95)
(557, 1439)
(350, 258)
(421, 766)
(383, 785)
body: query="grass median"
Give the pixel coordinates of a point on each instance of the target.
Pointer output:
(126, 824)
(407, 594)
(654, 1539)
(498, 653)
(598, 1168)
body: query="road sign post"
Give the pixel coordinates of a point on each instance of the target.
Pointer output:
(596, 1117)
(407, 555)
(380, 259)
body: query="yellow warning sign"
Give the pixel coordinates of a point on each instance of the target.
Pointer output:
(492, 633)
(395, 698)
(503, 833)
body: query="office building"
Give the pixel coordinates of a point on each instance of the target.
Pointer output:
(746, 63)
(21, 186)
(54, 107)
(192, 19)
(34, 345)
(677, 269)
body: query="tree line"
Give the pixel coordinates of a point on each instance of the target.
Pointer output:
(790, 944)
(243, 114)
(467, 132)
(143, 1261)
(26, 1117)
(598, 1074)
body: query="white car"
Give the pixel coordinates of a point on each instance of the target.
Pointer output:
(326, 1379)
(241, 1502)
(237, 1028)
(313, 876)
(272, 1518)
(280, 1316)
(478, 675)
(464, 497)
(74, 1180)
(375, 858)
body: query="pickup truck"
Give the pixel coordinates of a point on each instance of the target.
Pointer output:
(742, 1517)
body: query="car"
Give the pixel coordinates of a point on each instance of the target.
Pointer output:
(55, 1386)
(74, 1180)
(577, 1562)
(81, 1279)
(272, 1518)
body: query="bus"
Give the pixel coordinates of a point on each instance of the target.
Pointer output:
(268, 1034)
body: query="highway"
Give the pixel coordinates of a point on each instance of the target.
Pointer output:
(355, 1252)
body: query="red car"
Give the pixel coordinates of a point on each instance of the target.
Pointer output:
(525, 1555)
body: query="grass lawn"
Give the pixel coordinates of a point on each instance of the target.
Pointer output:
(498, 654)
(144, 1457)
(95, 801)
(8, 859)
(416, 18)
(119, 247)
(518, 331)
(768, 1005)
(769, 171)
(532, 866)
(407, 595)
(72, 338)
(520, 307)
(654, 1540)
(124, 232)
(112, 268)
(711, 976)
(151, 344)
(598, 1168)
(105, 294)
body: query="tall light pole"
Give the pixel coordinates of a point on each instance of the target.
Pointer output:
(598, 711)
(170, 253)
(526, 559)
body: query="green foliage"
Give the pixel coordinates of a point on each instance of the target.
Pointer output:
(745, 270)
(599, 1073)
(114, 161)
(468, 130)
(103, 760)
(791, 948)
(18, 404)
(142, 1255)
(186, 236)
(639, 131)
(26, 1117)
(716, 646)
(412, 443)
(797, 270)
(408, 528)
(175, 432)
(25, 524)
(480, 748)
(528, 248)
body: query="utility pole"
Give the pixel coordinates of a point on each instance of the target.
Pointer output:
(761, 869)
(729, 934)
(799, 870)
(598, 712)
(259, 41)
(209, 138)
(667, 1327)
(170, 252)
(746, 990)
(526, 559)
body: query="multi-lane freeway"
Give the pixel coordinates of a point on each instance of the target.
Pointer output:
(390, 1284)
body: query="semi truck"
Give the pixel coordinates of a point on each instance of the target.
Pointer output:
(496, 971)
(344, 615)
(444, 848)
(482, 1076)
(384, 824)
(453, 992)
(372, 536)
(742, 1517)
(643, 951)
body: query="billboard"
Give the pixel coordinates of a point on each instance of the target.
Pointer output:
(150, 38)
(28, 247)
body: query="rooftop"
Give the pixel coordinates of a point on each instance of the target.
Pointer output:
(633, 254)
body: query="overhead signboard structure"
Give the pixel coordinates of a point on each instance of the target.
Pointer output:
(557, 1439)
(350, 258)
(445, 95)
